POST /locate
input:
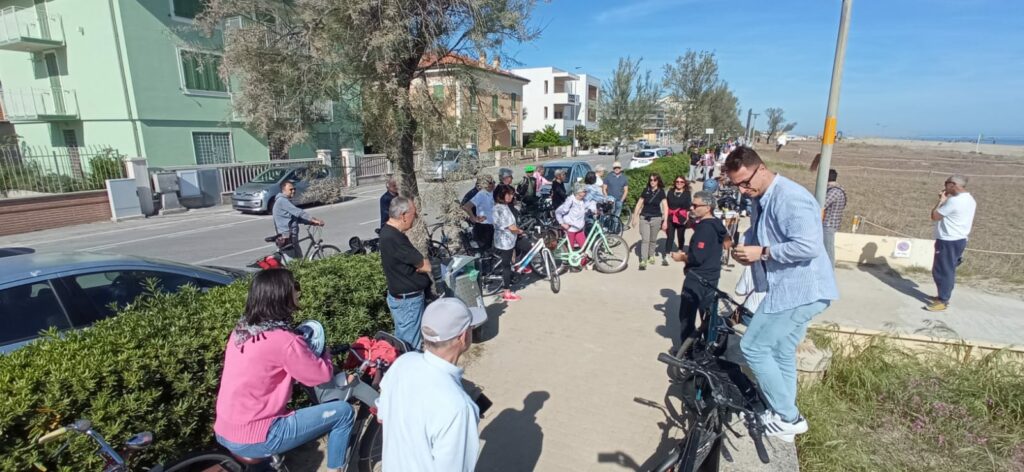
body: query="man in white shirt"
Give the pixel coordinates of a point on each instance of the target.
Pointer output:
(481, 212)
(953, 215)
(430, 423)
(780, 142)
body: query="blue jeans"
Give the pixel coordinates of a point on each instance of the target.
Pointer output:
(306, 425)
(407, 313)
(948, 256)
(769, 346)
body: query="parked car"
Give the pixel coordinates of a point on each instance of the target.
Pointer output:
(575, 171)
(605, 150)
(257, 195)
(448, 162)
(73, 290)
(645, 157)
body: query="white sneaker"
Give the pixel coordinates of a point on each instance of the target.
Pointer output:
(775, 426)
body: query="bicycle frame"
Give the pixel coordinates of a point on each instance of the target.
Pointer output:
(575, 257)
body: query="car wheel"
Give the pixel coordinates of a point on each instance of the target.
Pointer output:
(270, 206)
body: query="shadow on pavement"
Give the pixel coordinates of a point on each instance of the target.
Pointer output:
(490, 329)
(514, 440)
(870, 262)
(670, 309)
(673, 420)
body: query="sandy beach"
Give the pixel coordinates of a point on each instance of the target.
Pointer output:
(986, 149)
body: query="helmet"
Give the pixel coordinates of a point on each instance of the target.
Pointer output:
(504, 172)
(530, 168)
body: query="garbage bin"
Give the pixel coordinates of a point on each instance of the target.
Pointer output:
(461, 279)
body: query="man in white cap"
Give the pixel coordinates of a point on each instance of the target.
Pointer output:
(430, 423)
(616, 185)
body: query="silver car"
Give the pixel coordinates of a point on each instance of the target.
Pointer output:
(257, 195)
(73, 290)
(446, 163)
(575, 171)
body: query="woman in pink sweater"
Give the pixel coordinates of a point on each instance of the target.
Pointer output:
(261, 360)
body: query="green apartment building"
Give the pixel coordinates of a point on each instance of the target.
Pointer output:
(133, 75)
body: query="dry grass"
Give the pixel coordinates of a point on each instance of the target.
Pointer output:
(901, 197)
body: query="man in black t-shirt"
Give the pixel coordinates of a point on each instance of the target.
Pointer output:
(703, 258)
(406, 270)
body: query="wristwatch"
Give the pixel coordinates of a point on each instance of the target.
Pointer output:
(764, 253)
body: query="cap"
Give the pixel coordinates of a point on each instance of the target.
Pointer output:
(616, 164)
(530, 168)
(448, 317)
(503, 172)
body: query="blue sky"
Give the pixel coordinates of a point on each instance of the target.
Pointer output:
(913, 68)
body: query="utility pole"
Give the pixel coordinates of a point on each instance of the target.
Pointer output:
(746, 135)
(829, 136)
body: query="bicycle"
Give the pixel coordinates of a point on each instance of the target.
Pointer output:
(117, 461)
(714, 389)
(361, 389)
(315, 250)
(491, 280)
(608, 253)
(610, 223)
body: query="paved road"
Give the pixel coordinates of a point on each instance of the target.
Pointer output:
(219, 235)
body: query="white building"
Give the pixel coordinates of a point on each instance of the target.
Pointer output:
(558, 98)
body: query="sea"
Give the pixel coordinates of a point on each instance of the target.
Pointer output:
(1007, 140)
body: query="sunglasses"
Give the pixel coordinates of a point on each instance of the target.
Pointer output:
(746, 183)
(695, 206)
(680, 181)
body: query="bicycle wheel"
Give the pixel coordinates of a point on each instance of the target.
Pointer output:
(439, 251)
(553, 278)
(325, 251)
(206, 461)
(491, 281)
(611, 256)
(371, 447)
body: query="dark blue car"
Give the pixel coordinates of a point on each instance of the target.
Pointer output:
(74, 290)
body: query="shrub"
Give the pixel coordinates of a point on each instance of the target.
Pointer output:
(157, 366)
(884, 407)
(669, 167)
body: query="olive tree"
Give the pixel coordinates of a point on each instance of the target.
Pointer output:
(701, 98)
(627, 101)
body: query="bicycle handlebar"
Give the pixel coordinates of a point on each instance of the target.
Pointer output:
(52, 435)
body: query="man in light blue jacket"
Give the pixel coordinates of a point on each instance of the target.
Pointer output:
(784, 250)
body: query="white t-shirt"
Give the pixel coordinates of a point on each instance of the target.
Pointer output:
(782, 140)
(957, 217)
(483, 201)
(600, 181)
(503, 218)
(430, 423)
(745, 288)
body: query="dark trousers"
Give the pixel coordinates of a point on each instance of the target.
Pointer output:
(948, 255)
(295, 251)
(674, 233)
(483, 233)
(695, 297)
(508, 258)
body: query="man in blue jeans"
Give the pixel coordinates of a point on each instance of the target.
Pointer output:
(616, 186)
(787, 257)
(406, 270)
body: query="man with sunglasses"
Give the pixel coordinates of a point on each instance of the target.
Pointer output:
(703, 258)
(787, 257)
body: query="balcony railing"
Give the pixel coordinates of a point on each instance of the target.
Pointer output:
(322, 111)
(28, 30)
(566, 99)
(52, 104)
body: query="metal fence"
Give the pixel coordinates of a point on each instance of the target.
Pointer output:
(27, 171)
(236, 174)
(372, 165)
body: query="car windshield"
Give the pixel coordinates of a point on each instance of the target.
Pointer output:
(646, 154)
(446, 155)
(549, 172)
(271, 176)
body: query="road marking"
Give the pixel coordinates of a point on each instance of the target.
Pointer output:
(119, 230)
(166, 235)
(368, 222)
(204, 261)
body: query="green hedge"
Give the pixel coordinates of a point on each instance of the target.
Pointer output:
(157, 366)
(668, 167)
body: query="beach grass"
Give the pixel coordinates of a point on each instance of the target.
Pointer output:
(881, 407)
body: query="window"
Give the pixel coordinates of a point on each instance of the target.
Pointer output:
(187, 9)
(494, 105)
(199, 72)
(108, 292)
(545, 87)
(514, 109)
(512, 138)
(545, 113)
(439, 92)
(212, 148)
(28, 309)
(472, 99)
